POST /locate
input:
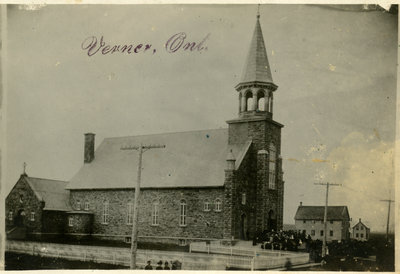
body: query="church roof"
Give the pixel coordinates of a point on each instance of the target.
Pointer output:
(190, 159)
(52, 192)
(257, 67)
(317, 213)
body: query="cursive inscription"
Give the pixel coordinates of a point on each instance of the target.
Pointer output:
(177, 42)
(93, 46)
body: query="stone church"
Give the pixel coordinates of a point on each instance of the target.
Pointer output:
(204, 185)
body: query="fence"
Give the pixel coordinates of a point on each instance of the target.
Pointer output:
(121, 256)
(263, 259)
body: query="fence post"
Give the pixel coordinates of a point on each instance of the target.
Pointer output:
(252, 264)
(190, 248)
(113, 257)
(208, 249)
(231, 251)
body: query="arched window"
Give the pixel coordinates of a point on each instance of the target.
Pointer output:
(10, 215)
(243, 198)
(105, 213)
(78, 205)
(218, 205)
(272, 166)
(129, 213)
(183, 209)
(206, 205)
(87, 205)
(154, 213)
(249, 101)
(261, 100)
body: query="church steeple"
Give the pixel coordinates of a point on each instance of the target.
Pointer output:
(256, 85)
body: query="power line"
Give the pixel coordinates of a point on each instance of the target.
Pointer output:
(141, 149)
(389, 201)
(325, 213)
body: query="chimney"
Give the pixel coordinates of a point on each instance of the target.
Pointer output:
(89, 148)
(359, 220)
(301, 203)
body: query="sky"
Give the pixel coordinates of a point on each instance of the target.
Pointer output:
(335, 70)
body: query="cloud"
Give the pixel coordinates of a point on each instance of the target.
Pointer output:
(364, 166)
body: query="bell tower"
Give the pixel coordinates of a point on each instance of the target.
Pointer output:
(256, 86)
(256, 142)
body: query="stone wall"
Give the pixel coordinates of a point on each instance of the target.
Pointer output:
(253, 176)
(79, 222)
(23, 199)
(200, 223)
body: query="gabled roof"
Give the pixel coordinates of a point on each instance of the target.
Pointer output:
(257, 67)
(52, 192)
(317, 213)
(190, 159)
(359, 222)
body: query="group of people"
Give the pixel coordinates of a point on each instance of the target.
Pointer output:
(280, 240)
(174, 265)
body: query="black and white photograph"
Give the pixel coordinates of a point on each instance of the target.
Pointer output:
(199, 136)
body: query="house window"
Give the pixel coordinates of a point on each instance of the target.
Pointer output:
(304, 221)
(32, 216)
(154, 214)
(356, 235)
(218, 205)
(243, 198)
(71, 221)
(322, 233)
(10, 215)
(182, 219)
(362, 235)
(87, 206)
(78, 205)
(105, 213)
(362, 228)
(357, 228)
(129, 211)
(312, 232)
(272, 165)
(128, 240)
(331, 233)
(182, 242)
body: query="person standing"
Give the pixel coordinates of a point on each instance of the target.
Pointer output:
(166, 266)
(148, 266)
(159, 265)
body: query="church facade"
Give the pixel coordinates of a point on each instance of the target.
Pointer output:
(204, 185)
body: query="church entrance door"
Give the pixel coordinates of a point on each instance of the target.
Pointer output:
(19, 219)
(243, 227)
(271, 220)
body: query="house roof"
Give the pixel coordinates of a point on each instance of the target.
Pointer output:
(317, 213)
(190, 159)
(257, 67)
(52, 192)
(359, 222)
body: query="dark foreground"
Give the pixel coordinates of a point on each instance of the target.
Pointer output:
(15, 261)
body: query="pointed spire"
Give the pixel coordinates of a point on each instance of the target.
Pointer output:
(257, 67)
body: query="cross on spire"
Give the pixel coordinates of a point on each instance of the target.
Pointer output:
(24, 168)
(258, 11)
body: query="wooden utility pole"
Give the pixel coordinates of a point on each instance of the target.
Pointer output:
(141, 149)
(388, 218)
(325, 214)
